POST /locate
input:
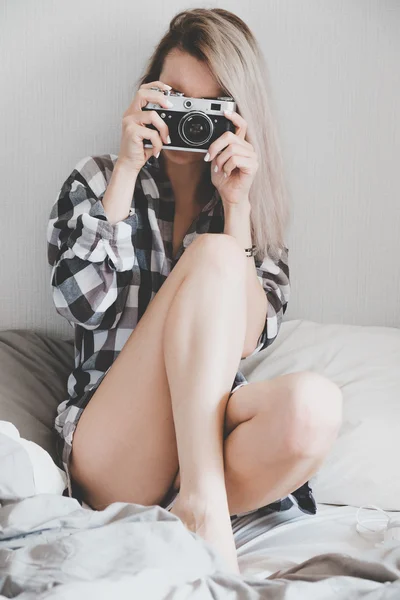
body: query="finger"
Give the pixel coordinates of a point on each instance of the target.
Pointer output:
(244, 163)
(160, 84)
(143, 96)
(238, 121)
(148, 152)
(229, 151)
(152, 116)
(222, 142)
(145, 133)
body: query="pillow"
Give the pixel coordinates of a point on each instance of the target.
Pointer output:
(364, 361)
(34, 370)
(36, 471)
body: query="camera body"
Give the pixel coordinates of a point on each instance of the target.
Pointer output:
(193, 123)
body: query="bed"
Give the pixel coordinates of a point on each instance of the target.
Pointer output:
(281, 555)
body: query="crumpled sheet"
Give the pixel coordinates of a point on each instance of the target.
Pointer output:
(51, 547)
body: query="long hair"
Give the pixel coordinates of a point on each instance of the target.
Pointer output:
(228, 48)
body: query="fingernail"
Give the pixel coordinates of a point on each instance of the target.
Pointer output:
(207, 157)
(215, 168)
(169, 140)
(157, 155)
(168, 86)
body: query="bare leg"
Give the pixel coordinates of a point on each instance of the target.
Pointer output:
(280, 432)
(204, 333)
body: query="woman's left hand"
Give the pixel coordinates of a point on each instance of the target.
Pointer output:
(233, 155)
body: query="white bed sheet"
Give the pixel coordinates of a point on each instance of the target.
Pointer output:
(275, 541)
(269, 541)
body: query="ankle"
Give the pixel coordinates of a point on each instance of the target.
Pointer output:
(202, 501)
(205, 484)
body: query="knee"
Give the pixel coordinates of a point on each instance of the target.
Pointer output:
(220, 251)
(315, 413)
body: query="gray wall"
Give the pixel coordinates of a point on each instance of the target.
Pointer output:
(67, 73)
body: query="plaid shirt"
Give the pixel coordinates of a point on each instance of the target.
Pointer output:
(104, 275)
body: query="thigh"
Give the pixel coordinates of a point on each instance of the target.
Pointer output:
(292, 400)
(124, 445)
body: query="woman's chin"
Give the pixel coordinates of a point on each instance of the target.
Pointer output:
(183, 156)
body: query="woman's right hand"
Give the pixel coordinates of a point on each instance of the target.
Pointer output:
(132, 150)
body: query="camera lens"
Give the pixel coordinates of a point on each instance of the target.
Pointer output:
(195, 128)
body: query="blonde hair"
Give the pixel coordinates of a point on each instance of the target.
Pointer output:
(226, 45)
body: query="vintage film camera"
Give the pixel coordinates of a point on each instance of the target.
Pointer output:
(193, 123)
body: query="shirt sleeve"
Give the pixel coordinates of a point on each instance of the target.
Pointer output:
(91, 258)
(274, 278)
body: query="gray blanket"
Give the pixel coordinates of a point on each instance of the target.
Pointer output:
(51, 547)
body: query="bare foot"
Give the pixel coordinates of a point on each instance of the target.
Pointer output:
(213, 526)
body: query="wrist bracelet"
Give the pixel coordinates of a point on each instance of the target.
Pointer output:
(250, 251)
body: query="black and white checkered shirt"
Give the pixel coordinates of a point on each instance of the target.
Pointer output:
(104, 275)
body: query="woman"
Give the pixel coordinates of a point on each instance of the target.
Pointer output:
(149, 267)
